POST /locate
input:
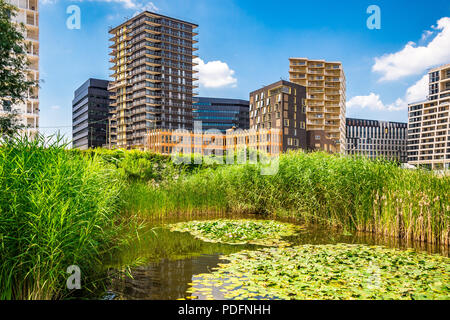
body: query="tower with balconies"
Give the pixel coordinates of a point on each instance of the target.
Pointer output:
(429, 124)
(153, 78)
(325, 99)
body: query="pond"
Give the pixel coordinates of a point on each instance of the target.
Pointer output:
(165, 265)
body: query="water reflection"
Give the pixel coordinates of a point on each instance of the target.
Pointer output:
(167, 280)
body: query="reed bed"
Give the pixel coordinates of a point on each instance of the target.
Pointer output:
(57, 209)
(349, 193)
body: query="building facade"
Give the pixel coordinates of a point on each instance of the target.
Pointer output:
(281, 106)
(221, 114)
(28, 111)
(153, 86)
(428, 124)
(377, 139)
(90, 112)
(207, 143)
(325, 98)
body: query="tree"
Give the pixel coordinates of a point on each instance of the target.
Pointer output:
(14, 82)
(9, 125)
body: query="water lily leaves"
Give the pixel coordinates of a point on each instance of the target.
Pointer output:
(239, 232)
(341, 271)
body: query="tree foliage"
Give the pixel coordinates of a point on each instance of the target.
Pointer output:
(9, 125)
(14, 82)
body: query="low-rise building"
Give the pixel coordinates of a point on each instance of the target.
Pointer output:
(221, 114)
(377, 139)
(206, 143)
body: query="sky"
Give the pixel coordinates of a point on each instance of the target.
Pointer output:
(246, 44)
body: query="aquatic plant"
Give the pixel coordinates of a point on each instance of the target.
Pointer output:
(259, 232)
(326, 272)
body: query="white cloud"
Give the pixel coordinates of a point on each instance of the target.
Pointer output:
(373, 101)
(47, 1)
(425, 35)
(149, 6)
(55, 107)
(413, 59)
(416, 92)
(215, 74)
(128, 4)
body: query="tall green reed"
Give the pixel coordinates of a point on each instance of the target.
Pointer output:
(56, 209)
(354, 193)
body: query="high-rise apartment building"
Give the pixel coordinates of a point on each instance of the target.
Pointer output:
(428, 124)
(28, 111)
(221, 114)
(325, 98)
(90, 110)
(280, 106)
(377, 139)
(153, 86)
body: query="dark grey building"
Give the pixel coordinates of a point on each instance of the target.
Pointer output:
(90, 110)
(377, 139)
(221, 114)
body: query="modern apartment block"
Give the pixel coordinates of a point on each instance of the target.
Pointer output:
(428, 124)
(90, 111)
(28, 111)
(377, 139)
(153, 86)
(281, 106)
(221, 114)
(325, 98)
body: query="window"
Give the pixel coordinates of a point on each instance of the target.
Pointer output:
(317, 137)
(286, 122)
(6, 105)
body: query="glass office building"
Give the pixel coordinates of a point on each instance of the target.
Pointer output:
(221, 114)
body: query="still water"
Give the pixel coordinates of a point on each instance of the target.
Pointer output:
(162, 264)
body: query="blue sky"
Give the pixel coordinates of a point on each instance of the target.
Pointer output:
(245, 44)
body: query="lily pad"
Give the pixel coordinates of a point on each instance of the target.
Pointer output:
(239, 232)
(329, 272)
